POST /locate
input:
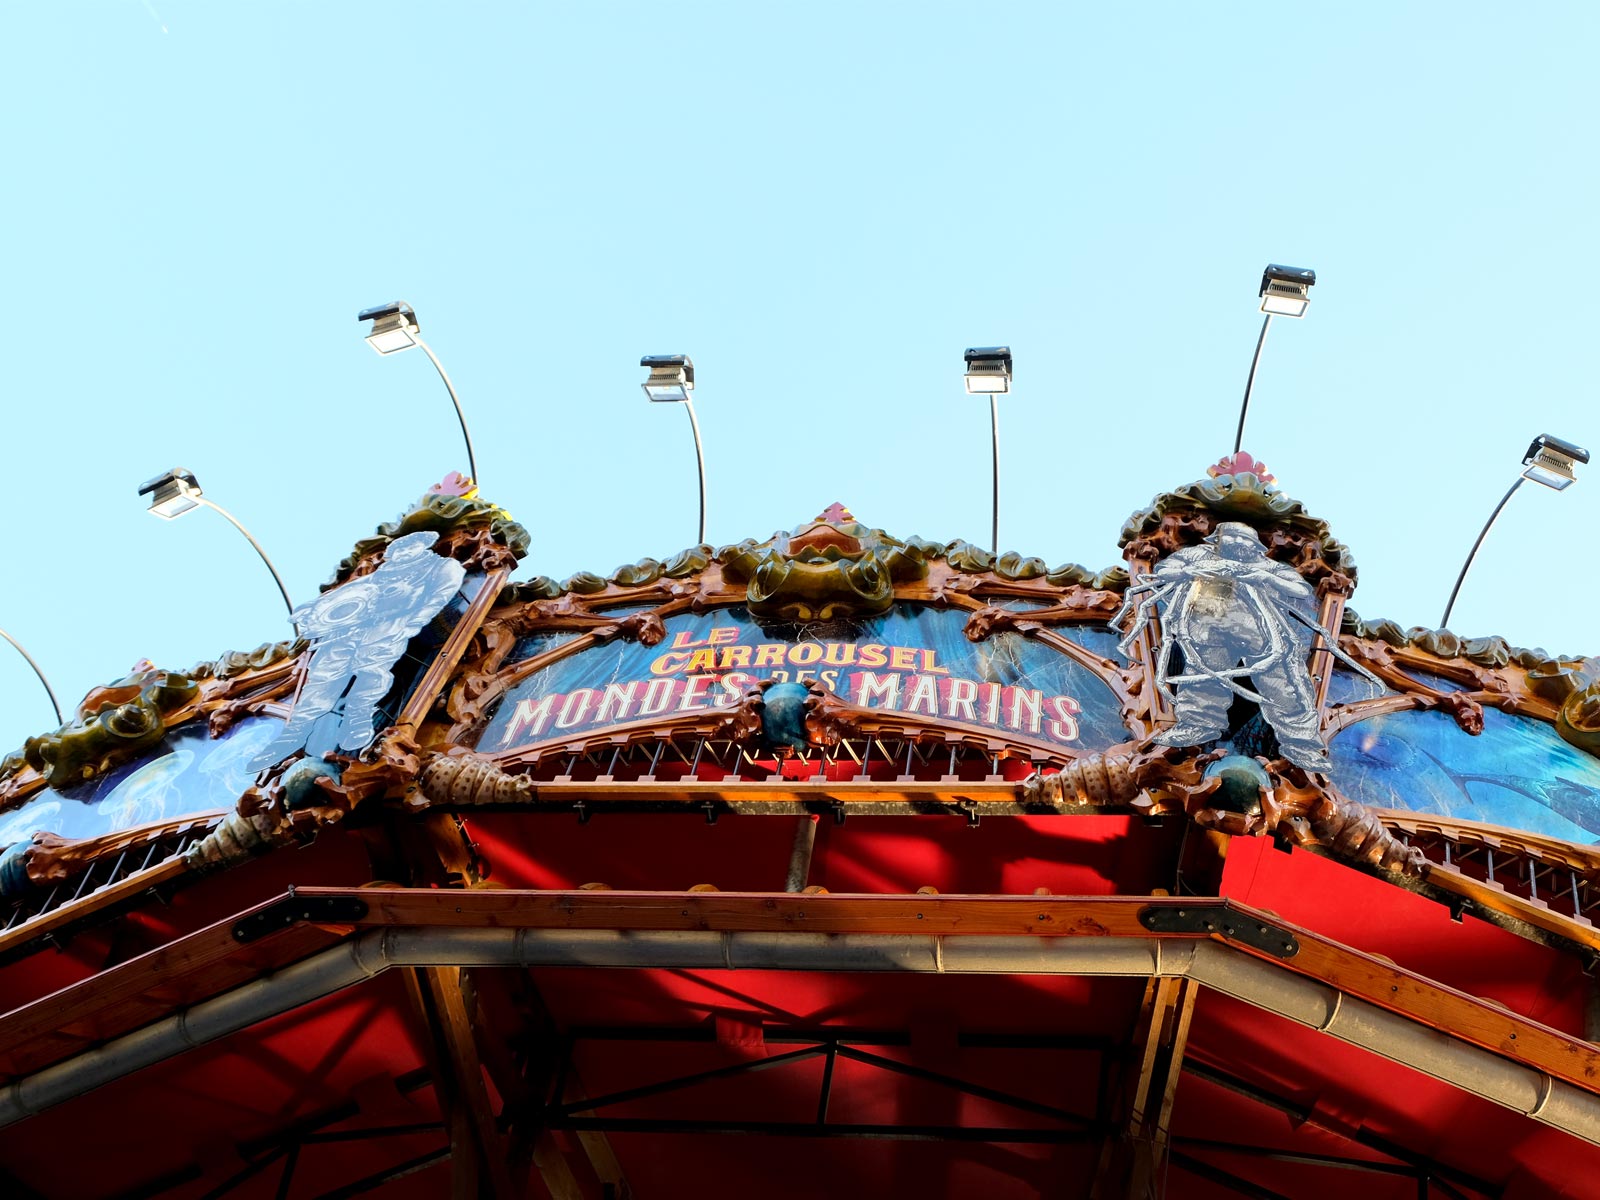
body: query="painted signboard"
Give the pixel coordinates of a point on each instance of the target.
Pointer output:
(914, 659)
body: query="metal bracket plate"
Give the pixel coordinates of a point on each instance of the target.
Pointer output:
(1225, 921)
(323, 910)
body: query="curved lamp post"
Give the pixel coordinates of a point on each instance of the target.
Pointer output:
(49, 691)
(395, 328)
(178, 491)
(670, 381)
(1549, 461)
(1285, 292)
(989, 374)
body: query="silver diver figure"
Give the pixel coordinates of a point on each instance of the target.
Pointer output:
(1235, 613)
(359, 630)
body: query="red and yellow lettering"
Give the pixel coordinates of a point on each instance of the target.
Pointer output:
(923, 696)
(575, 708)
(530, 717)
(867, 687)
(839, 654)
(657, 697)
(694, 698)
(669, 663)
(1065, 727)
(731, 687)
(1031, 700)
(991, 704)
(615, 701)
(958, 697)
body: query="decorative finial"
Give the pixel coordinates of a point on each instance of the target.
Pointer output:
(1241, 464)
(455, 484)
(835, 514)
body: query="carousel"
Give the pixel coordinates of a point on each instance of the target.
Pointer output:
(832, 862)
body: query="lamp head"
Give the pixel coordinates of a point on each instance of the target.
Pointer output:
(172, 494)
(988, 370)
(394, 327)
(671, 377)
(1286, 291)
(1550, 460)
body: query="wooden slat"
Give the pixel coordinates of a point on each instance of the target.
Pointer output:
(118, 999)
(692, 794)
(508, 908)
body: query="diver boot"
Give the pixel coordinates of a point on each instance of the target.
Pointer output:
(1309, 756)
(1187, 733)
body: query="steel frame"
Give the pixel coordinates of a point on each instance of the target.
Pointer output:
(831, 1045)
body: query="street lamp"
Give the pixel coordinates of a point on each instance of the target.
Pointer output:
(49, 691)
(989, 374)
(178, 491)
(395, 328)
(1549, 461)
(1285, 292)
(671, 380)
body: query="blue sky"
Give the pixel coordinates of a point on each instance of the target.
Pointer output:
(823, 204)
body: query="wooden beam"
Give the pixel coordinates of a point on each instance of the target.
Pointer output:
(445, 661)
(211, 961)
(526, 1146)
(1131, 1161)
(479, 1158)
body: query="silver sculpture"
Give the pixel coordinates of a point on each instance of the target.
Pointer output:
(1234, 613)
(359, 631)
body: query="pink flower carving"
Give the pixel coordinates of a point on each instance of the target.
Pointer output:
(1241, 464)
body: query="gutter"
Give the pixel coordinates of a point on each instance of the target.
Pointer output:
(1212, 964)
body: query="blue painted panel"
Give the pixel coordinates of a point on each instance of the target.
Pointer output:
(1518, 772)
(190, 772)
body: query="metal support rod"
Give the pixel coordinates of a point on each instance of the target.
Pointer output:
(700, 465)
(1250, 383)
(994, 439)
(234, 521)
(1444, 622)
(49, 691)
(472, 461)
(805, 838)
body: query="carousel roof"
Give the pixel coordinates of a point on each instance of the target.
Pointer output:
(828, 859)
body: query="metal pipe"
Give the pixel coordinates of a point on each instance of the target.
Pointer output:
(1211, 964)
(1250, 383)
(472, 461)
(278, 992)
(50, 691)
(1444, 622)
(994, 441)
(805, 840)
(234, 521)
(700, 465)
